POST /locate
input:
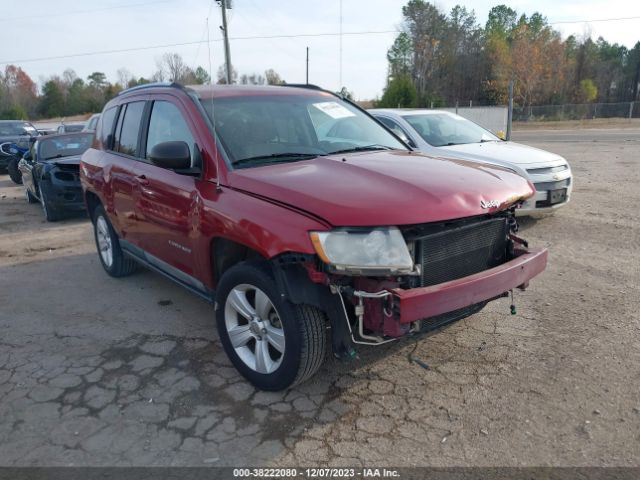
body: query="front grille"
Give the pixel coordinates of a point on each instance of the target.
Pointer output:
(547, 170)
(67, 173)
(460, 251)
(543, 186)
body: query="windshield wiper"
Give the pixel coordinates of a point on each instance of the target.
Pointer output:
(365, 148)
(275, 157)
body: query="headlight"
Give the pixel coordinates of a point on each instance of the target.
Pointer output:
(381, 250)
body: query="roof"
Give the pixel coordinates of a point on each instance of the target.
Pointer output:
(207, 91)
(235, 90)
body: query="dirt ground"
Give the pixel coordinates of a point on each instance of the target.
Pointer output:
(99, 371)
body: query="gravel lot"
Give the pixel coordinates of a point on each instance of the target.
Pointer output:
(98, 371)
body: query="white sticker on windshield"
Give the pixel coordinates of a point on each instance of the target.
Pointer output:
(334, 109)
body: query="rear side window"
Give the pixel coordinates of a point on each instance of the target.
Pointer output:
(106, 127)
(129, 128)
(166, 125)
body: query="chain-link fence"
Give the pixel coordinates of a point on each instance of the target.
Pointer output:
(492, 118)
(577, 111)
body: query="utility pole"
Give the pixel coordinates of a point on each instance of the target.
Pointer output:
(510, 110)
(340, 67)
(307, 65)
(225, 32)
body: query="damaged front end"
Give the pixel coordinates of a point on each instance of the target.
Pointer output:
(446, 272)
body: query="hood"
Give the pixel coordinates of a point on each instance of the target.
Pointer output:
(504, 153)
(384, 188)
(11, 138)
(71, 160)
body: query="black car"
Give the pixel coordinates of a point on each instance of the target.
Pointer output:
(51, 175)
(16, 132)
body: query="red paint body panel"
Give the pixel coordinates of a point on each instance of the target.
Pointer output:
(272, 209)
(420, 303)
(384, 188)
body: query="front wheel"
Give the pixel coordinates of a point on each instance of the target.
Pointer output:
(50, 214)
(273, 343)
(113, 260)
(14, 172)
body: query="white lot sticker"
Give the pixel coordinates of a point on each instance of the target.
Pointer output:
(334, 110)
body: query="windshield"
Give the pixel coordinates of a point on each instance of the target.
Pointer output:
(64, 145)
(443, 129)
(16, 128)
(258, 130)
(73, 128)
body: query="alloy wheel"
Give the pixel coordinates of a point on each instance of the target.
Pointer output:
(254, 328)
(103, 236)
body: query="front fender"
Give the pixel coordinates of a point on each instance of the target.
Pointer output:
(262, 226)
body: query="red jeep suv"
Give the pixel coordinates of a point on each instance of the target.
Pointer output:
(301, 218)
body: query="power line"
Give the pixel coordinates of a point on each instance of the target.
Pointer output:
(253, 37)
(268, 19)
(182, 44)
(595, 20)
(66, 13)
(204, 32)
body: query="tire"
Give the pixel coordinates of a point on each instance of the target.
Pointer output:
(292, 336)
(50, 214)
(116, 264)
(30, 197)
(14, 172)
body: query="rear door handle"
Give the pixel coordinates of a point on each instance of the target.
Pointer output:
(142, 180)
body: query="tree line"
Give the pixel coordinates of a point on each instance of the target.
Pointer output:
(439, 59)
(67, 94)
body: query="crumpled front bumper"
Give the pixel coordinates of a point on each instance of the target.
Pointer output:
(420, 303)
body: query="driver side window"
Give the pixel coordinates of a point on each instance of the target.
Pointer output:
(166, 125)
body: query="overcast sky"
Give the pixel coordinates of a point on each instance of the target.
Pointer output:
(46, 28)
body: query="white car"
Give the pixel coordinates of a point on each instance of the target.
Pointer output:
(440, 133)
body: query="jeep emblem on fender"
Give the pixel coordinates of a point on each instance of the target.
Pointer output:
(489, 204)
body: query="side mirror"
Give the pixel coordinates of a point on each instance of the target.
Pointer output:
(173, 155)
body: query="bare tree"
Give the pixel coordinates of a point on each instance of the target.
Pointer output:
(172, 67)
(253, 79)
(222, 75)
(124, 77)
(273, 78)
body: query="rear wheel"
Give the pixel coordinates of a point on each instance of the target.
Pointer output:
(14, 172)
(113, 260)
(50, 213)
(273, 343)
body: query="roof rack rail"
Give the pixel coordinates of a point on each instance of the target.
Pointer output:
(152, 85)
(310, 86)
